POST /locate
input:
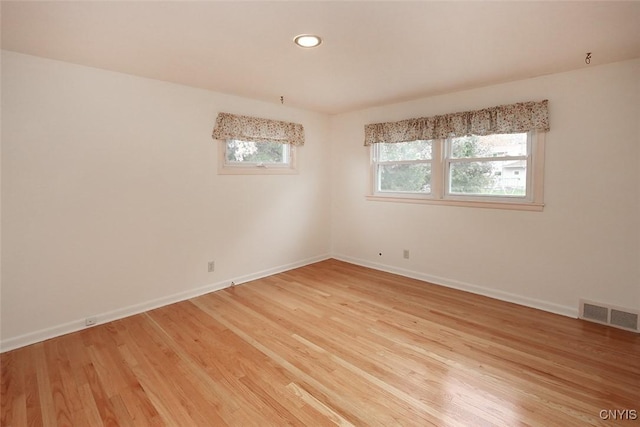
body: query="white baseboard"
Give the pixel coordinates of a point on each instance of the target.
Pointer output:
(455, 284)
(76, 325)
(79, 324)
(280, 269)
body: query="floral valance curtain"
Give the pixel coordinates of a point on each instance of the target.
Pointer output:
(513, 118)
(253, 129)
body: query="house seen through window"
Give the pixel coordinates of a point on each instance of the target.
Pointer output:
(487, 165)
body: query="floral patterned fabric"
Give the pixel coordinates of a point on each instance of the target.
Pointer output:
(514, 118)
(253, 129)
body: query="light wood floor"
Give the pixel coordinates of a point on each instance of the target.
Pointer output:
(326, 344)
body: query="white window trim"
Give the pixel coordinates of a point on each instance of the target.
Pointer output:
(400, 194)
(534, 201)
(225, 168)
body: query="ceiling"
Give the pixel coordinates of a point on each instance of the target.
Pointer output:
(373, 52)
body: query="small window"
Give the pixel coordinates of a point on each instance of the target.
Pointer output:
(245, 157)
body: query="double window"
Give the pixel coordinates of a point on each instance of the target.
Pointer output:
(500, 170)
(493, 157)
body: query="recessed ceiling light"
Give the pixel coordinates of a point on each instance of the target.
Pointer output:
(307, 40)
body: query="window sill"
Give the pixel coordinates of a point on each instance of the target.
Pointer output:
(517, 206)
(256, 171)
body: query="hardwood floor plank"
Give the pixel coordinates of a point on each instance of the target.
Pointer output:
(330, 415)
(32, 393)
(63, 394)
(328, 344)
(13, 398)
(89, 409)
(102, 402)
(45, 390)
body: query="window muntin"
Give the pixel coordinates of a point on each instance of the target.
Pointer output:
(403, 168)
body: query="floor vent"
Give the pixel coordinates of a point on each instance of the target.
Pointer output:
(622, 318)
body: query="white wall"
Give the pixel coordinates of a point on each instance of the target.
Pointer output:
(586, 242)
(111, 203)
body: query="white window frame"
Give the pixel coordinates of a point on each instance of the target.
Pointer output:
(376, 176)
(252, 168)
(440, 166)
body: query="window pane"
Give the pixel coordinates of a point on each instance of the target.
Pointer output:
(256, 152)
(415, 178)
(500, 178)
(510, 144)
(415, 150)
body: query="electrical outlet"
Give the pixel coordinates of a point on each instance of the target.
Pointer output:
(212, 266)
(405, 254)
(90, 321)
